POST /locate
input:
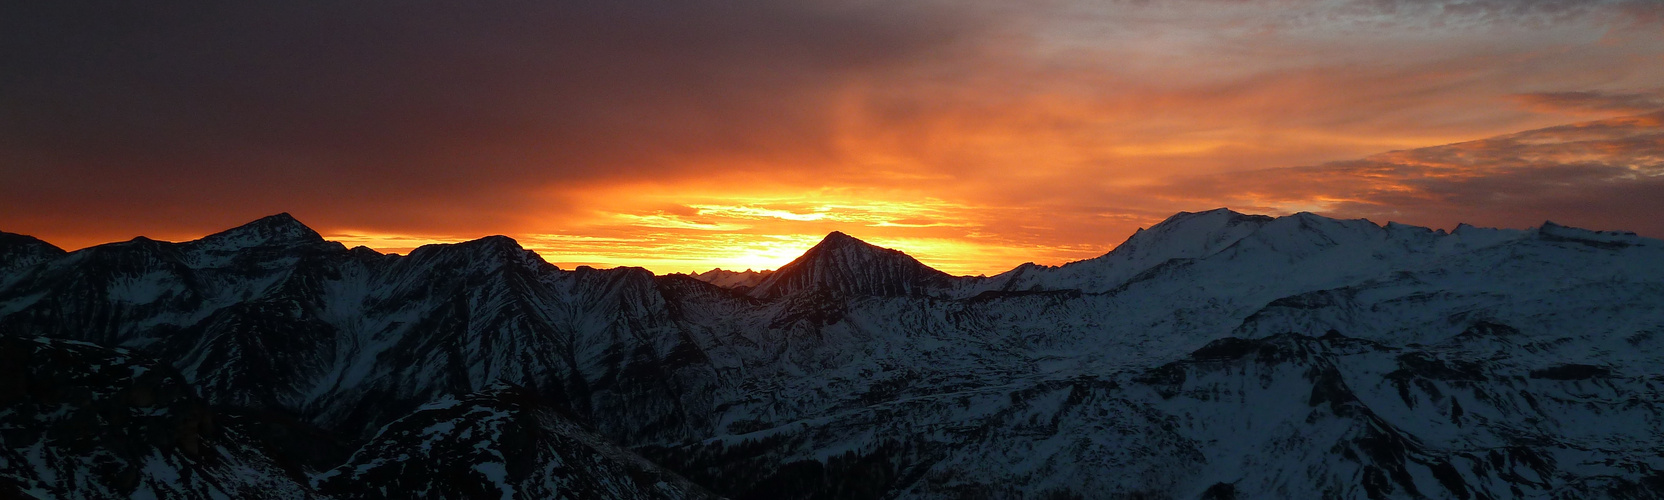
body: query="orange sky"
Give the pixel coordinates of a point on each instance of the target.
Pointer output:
(973, 135)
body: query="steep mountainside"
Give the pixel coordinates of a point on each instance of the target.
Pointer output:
(82, 421)
(499, 443)
(1214, 354)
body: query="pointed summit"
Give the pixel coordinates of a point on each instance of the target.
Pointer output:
(273, 230)
(843, 264)
(839, 238)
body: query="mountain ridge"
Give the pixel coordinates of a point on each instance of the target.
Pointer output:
(1345, 347)
(284, 229)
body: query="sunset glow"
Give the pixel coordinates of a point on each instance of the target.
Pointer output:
(973, 135)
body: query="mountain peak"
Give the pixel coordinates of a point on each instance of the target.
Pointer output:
(838, 238)
(495, 241)
(280, 229)
(490, 251)
(280, 221)
(1189, 235)
(845, 264)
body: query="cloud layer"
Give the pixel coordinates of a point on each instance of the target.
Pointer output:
(1606, 174)
(683, 136)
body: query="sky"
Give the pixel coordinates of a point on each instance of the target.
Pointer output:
(682, 136)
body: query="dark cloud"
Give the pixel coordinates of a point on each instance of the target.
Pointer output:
(1442, 14)
(1595, 101)
(407, 111)
(1510, 12)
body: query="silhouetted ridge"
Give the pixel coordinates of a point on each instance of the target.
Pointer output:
(273, 230)
(488, 251)
(843, 264)
(1298, 353)
(18, 250)
(733, 279)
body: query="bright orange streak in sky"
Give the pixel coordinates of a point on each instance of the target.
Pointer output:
(764, 232)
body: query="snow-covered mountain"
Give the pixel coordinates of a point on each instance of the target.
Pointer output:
(1215, 355)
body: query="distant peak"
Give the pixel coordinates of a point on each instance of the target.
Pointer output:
(279, 218)
(1217, 215)
(838, 243)
(846, 264)
(278, 229)
(1206, 221)
(495, 247)
(1216, 211)
(839, 238)
(278, 222)
(497, 240)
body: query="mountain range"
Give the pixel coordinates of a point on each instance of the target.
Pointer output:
(1214, 355)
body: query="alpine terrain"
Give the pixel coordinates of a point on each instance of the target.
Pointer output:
(1214, 355)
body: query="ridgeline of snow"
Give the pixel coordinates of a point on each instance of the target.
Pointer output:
(1213, 354)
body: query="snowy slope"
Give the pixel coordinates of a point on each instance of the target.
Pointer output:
(1215, 353)
(1183, 236)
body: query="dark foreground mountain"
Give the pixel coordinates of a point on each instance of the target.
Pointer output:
(82, 421)
(498, 443)
(1215, 355)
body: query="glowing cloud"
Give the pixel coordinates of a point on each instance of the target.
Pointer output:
(684, 136)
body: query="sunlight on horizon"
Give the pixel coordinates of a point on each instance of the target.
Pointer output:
(769, 252)
(764, 233)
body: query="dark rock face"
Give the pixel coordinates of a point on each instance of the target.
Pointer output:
(1572, 372)
(1214, 355)
(19, 251)
(500, 443)
(82, 421)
